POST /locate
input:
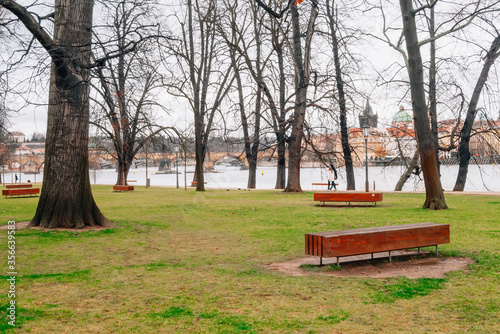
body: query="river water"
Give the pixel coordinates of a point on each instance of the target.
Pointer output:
(480, 178)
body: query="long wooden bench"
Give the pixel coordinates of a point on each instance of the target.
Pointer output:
(376, 239)
(123, 188)
(194, 183)
(17, 186)
(348, 197)
(21, 192)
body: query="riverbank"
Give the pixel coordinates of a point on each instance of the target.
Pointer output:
(481, 178)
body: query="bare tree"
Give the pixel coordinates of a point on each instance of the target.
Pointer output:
(301, 55)
(238, 35)
(458, 16)
(128, 85)
(427, 146)
(464, 154)
(66, 198)
(274, 90)
(202, 75)
(332, 17)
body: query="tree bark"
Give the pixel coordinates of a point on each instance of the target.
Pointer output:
(123, 169)
(66, 198)
(464, 146)
(434, 192)
(281, 163)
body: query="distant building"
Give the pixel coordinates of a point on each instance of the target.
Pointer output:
(16, 137)
(402, 119)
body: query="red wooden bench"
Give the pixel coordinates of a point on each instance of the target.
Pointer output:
(123, 188)
(376, 239)
(22, 192)
(193, 184)
(348, 197)
(17, 186)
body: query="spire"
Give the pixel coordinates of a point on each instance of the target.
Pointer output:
(368, 116)
(368, 108)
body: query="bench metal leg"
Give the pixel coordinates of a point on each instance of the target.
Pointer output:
(321, 261)
(390, 256)
(338, 261)
(437, 254)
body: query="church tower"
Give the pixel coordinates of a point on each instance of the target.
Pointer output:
(368, 116)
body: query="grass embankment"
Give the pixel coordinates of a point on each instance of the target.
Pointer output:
(187, 262)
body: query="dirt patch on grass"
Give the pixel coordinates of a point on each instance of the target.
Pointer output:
(21, 225)
(408, 264)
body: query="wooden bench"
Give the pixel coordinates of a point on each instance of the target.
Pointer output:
(193, 184)
(21, 192)
(348, 197)
(376, 239)
(17, 186)
(123, 188)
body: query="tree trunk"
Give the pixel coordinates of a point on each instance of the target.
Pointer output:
(281, 168)
(302, 72)
(409, 170)
(281, 123)
(342, 102)
(66, 198)
(432, 86)
(463, 148)
(123, 169)
(251, 143)
(252, 160)
(434, 192)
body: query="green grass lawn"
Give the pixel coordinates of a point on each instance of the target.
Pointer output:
(187, 262)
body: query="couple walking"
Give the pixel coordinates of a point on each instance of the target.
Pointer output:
(332, 176)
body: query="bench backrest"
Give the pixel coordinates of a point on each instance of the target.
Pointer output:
(17, 186)
(348, 197)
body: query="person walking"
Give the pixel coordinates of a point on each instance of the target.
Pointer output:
(332, 176)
